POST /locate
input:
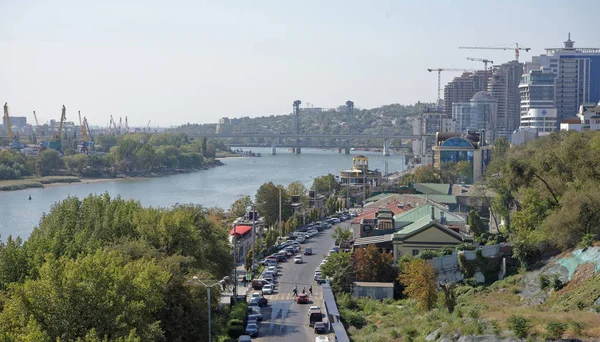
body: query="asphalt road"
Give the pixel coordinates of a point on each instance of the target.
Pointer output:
(283, 319)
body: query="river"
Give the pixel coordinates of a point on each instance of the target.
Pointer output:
(216, 187)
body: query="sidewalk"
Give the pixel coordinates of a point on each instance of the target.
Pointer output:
(241, 289)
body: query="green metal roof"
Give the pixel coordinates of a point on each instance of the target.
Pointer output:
(413, 227)
(432, 188)
(424, 211)
(378, 197)
(443, 199)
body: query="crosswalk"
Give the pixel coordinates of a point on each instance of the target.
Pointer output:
(288, 296)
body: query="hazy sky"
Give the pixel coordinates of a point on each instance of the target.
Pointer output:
(174, 62)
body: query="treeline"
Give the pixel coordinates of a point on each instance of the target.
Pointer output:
(107, 269)
(547, 192)
(130, 154)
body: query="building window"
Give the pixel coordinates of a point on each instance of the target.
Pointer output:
(415, 252)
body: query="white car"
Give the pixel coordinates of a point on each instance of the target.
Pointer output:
(321, 339)
(272, 269)
(267, 289)
(298, 260)
(268, 277)
(317, 275)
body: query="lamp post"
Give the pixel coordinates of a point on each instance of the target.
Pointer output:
(197, 281)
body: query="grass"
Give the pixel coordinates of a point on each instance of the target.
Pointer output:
(38, 182)
(479, 310)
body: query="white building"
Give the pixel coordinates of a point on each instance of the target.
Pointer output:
(587, 119)
(544, 121)
(429, 122)
(477, 115)
(523, 135)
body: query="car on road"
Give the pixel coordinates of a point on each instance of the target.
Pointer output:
(320, 328)
(260, 302)
(247, 338)
(302, 298)
(256, 312)
(320, 280)
(273, 269)
(315, 316)
(252, 319)
(308, 251)
(317, 275)
(268, 277)
(298, 259)
(313, 308)
(331, 252)
(255, 295)
(321, 339)
(267, 289)
(252, 329)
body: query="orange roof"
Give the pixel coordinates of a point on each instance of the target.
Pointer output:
(240, 229)
(370, 213)
(571, 121)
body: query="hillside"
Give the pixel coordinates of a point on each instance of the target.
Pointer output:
(563, 294)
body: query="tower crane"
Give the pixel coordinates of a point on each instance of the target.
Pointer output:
(439, 71)
(112, 124)
(517, 49)
(126, 126)
(485, 64)
(120, 125)
(148, 126)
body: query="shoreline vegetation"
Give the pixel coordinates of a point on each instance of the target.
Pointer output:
(52, 181)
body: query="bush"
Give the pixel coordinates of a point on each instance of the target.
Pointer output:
(577, 328)
(495, 326)
(555, 330)
(235, 331)
(410, 333)
(519, 325)
(544, 282)
(474, 313)
(556, 283)
(587, 240)
(235, 322)
(394, 334)
(353, 318)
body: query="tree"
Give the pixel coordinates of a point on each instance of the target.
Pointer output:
(14, 263)
(325, 185)
(267, 203)
(240, 206)
(475, 223)
(49, 162)
(248, 260)
(341, 234)
(298, 189)
(425, 174)
(449, 296)
(76, 163)
(372, 265)
(204, 147)
(418, 278)
(340, 269)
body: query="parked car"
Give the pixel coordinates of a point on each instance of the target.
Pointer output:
(273, 269)
(267, 289)
(298, 259)
(302, 298)
(320, 280)
(317, 275)
(321, 339)
(308, 251)
(313, 308)
(255, 295)
(256, 312)
(260, 302)
(320, 328)
(252, 319)
(252, 329)
(247, 338)
(314, 317)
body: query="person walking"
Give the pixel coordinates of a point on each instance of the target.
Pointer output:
(295, 291)
(304, 290)
(310, 290)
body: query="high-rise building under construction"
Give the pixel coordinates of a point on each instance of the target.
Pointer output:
(504, 86)
(462, 89)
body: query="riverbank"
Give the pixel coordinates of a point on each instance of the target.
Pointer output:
(52, 181)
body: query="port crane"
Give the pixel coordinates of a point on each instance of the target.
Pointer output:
(13, 138)
(485, 67)
(56, 142)
(126, 126)
(84, 135)
(39, 129)
(89, 133)
(439, 72)
(148, 126)
(517, 49)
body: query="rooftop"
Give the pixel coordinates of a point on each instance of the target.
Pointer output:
(424, 212)
(371, 212)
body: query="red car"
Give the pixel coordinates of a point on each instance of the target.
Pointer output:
(302, 299)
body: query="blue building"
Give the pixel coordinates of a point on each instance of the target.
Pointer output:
(451, 148)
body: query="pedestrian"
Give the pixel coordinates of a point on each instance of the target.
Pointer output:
(295, 291)
(304, 290)
(310, 290)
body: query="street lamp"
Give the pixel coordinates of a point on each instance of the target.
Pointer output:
(197, 281)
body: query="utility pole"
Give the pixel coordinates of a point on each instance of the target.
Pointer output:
(255, 254)
(279, 224)
(235, 259)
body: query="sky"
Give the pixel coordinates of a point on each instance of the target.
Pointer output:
(180, 61)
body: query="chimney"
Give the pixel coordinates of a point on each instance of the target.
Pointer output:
(432, 213)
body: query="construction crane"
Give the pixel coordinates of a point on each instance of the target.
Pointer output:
(112, 124)
(485, 64)
(120, 125)
(89, 133)
(439, 71)
(148, 126)
(517, 49)
(126, 126)
(56, 142)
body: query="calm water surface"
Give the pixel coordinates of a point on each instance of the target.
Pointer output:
(217, 187)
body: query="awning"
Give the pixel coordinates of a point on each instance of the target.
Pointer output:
(240, 229)
(329, 300)
(371, 240)
(340, 332)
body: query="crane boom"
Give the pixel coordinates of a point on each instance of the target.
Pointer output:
(84, 136)
(39, 129)
(7, 122)
(63, 117)
(126, 126)
(485, 66)
(517, 49)
(439, 71)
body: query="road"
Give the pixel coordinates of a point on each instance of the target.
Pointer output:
(283, 318)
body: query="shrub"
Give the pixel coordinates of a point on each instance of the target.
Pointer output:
(577, 328)
(410, 333)
(580, 305)
(555, 330)
(235, 322)
(353, 318)
(480, 327)
(394, 334)
(474, 313)
(495, 326)
(519, 325)
(544, 282)
(555, 282)
(235, 331)
(587, 240)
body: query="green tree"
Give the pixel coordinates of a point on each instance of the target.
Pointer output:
(49, 162)
(76, 163)
(475, 223)
(14, 262)
(372, 265)
(425, 174)
(267, 203)
(240, 206)
(325, 185)
(340, 269)
(298, 189)
(204, 147)
(341, 234)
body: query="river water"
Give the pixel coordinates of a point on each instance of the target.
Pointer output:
(216, 187)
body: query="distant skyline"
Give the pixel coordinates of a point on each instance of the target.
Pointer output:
(197, 61)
